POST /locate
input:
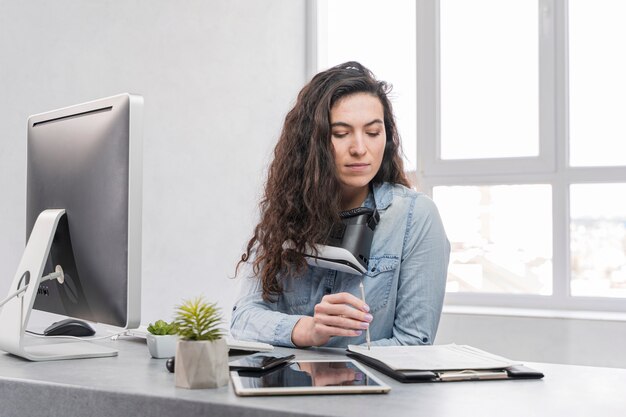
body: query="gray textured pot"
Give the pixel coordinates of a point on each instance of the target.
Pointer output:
(201, 364)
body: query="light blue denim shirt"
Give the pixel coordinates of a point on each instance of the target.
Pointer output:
(404, 285)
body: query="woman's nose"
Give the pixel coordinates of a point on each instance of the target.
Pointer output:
(357, 147)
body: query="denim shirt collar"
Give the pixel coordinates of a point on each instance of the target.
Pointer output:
(383, 195)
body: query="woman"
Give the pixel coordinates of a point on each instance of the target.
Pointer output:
(339, 149)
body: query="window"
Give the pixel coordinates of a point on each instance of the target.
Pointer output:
(489, 79)
(598, 240)
(519, 120)
(597, 82)
(500, 243)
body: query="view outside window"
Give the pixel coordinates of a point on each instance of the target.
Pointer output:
(501, 237)
(597, 82)
(598, 240)
(489, 79)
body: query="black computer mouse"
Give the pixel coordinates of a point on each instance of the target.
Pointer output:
(69, 327)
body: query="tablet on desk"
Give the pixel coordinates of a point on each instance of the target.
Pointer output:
(302, 377)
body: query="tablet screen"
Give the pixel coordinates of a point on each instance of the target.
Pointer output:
(308, 377)
(259, 362)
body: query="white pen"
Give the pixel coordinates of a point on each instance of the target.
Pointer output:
(367, 331)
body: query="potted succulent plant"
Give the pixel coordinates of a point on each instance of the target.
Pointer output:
(162, 338)
(201, 351)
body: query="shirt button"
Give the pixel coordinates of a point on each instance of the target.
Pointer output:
(327, 290)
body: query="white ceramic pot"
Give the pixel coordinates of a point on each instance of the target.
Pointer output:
(162, 346)
(201, 364)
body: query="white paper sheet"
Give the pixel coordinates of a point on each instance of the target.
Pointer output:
(434, 358)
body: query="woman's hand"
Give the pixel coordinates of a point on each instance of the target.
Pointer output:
(340, 314)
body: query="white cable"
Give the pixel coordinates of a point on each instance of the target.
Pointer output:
(60, 277)
(82, 339)
(15, 294)
(57, 274)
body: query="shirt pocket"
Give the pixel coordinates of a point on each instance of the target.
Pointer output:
(296, 292)
(380, 275)
(299, 291)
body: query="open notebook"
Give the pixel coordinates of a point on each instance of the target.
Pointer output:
(440, 363)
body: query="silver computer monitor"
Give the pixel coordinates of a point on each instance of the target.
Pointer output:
(87, 160)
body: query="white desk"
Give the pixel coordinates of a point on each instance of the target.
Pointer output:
(133, 384)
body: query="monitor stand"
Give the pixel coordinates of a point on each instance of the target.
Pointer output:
(16, 312)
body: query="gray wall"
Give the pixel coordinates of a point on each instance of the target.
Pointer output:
(218, 78)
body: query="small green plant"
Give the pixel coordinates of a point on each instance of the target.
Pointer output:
(162, 328)
(198, 320)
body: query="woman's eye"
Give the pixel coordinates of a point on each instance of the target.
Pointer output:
(373, 134)
(340, 134)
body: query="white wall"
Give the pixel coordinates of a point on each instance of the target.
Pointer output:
(539, 339)
(217, 77)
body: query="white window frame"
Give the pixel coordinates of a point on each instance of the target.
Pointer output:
(550, 167)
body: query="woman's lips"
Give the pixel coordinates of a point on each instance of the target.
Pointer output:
(357, 167)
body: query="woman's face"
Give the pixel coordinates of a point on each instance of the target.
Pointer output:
(358, 138)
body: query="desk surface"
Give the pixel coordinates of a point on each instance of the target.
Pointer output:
(134, 384)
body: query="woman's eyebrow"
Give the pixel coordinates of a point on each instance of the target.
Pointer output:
(373, 122)
(344, 124)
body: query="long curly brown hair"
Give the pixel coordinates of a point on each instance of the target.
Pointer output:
(302, 193)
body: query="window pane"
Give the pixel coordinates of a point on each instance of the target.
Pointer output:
(501, 238)
(489, 79)
(597, 82)
(598, 240)
(380, 35)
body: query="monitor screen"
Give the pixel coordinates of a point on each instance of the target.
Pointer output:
(87, 160)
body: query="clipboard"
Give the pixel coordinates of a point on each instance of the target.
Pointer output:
(516, 371)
